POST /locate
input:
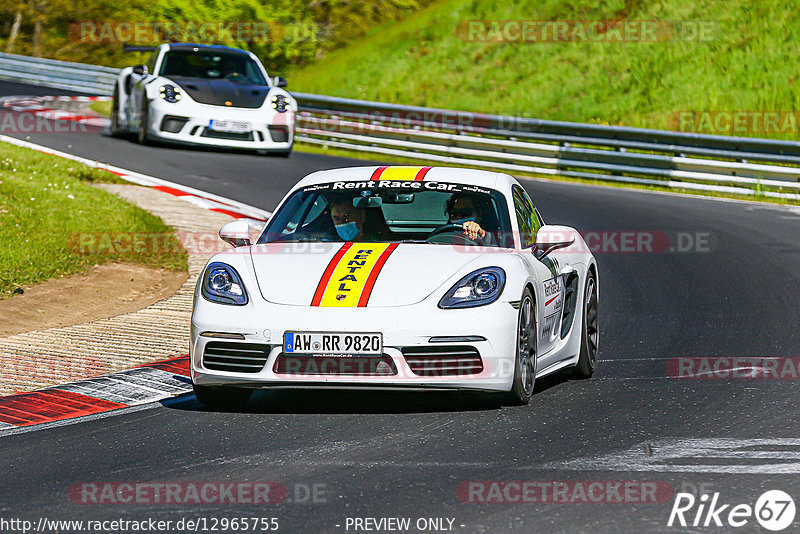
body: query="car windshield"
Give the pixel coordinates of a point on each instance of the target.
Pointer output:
(418, 212)
(212, 65)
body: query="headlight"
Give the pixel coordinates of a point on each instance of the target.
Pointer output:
(280, 103)
(480, 287)
(221, 283)
(170, 93)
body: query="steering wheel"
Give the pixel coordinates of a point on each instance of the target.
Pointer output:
(452, 227)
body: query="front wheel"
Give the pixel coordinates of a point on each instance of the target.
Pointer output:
(221, 397)
(587, 361)
(525, 365)
(143, 134)
(114, 128)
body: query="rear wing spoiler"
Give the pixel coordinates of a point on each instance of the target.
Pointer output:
(136, 48)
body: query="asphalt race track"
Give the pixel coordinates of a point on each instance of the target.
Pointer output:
(404, 455)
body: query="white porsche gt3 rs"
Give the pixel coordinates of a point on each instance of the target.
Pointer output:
(204, 95)
(395, 277)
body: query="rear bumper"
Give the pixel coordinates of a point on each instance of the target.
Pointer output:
(407, 326)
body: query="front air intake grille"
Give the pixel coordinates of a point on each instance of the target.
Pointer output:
(453, 360)
(279, 134)
(235, 357)
(173, 124)
(342, 365)
(230, 136)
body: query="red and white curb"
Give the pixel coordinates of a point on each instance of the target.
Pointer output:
(122, 390)
(40, 106)
(142, 385)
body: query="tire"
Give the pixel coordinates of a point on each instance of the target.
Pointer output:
(222, 397)
(143, 137)
(590, 333)
(525, 364)
(114, 129)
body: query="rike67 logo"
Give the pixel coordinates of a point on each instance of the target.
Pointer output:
(774, 510)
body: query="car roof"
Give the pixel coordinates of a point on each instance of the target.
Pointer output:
(489, 179)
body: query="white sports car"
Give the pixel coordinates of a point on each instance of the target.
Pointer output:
(204, 95)
(395, 277)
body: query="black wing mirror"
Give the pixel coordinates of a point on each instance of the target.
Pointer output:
(141, 70)
(279, 81)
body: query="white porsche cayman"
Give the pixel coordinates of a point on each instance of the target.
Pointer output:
(399, 277)
(204, 95)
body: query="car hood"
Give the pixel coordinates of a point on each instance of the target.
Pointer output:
(304, 273)
(217, 92)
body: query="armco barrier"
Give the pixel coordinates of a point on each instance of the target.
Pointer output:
(609, 153)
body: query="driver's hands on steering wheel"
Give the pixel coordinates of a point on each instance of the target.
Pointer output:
(473, 230)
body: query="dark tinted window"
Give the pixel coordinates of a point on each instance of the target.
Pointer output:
(419, 213)
(212, 64)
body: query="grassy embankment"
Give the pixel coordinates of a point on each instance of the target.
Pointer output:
(743, 62)
(47, 204)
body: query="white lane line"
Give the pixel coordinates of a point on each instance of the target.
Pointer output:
(710, 455)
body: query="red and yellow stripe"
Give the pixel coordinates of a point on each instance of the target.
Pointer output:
(350, 276)
(400, 173)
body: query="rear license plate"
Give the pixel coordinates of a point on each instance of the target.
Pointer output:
(332, 343)
(229, 126)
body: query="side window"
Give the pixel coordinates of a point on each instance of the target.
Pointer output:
(523, 207)
(536, 221)
(151, 63)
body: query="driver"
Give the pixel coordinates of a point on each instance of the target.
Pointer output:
(461, 209)
(230, 69)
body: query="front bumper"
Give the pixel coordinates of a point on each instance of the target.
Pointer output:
(407, 326)
(270, 130)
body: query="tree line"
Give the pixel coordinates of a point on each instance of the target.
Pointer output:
(282, 33)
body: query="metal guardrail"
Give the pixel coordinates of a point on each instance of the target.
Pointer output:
(590, 151)
(80, 77)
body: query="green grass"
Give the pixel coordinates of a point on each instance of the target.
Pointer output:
(103, 107)
(53, 223)
(749, 64)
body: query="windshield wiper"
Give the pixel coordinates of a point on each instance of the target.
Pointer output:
(415, 241)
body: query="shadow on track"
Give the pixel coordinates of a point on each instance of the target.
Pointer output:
(343, 401)
(188, 147)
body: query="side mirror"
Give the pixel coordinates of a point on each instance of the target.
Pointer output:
(552, 237)
(141, 70)
(237, 233)
(279, 81)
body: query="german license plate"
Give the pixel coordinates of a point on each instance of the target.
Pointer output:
(229, 126)
(332, 343)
